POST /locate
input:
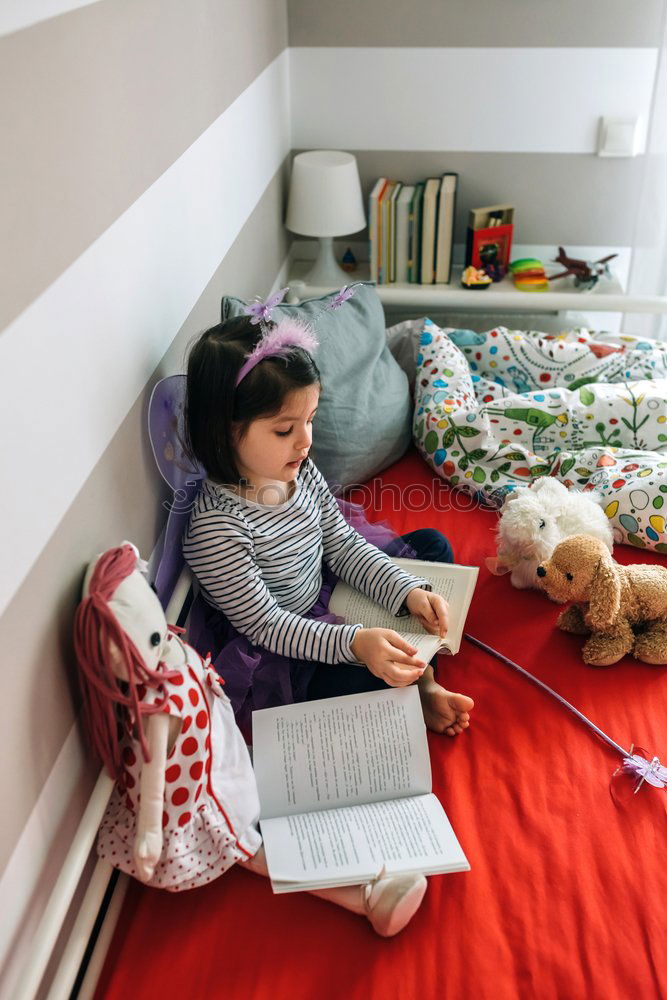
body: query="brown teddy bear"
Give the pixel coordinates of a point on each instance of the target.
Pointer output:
(622, 608)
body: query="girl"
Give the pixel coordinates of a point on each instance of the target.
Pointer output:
(267, 540)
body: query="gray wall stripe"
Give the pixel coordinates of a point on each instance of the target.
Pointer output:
(471, 23)
(96, 104)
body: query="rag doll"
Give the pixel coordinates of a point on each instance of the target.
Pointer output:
(534, 520)
(184, 807)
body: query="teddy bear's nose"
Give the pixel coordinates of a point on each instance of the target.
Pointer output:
(541, 571)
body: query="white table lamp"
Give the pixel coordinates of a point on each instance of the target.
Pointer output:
(325, 201)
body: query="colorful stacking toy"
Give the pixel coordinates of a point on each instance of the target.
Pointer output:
(528, 275)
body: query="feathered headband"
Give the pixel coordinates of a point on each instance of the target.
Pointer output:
(279, 340)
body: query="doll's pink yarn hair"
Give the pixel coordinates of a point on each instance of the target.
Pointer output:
(95, 628)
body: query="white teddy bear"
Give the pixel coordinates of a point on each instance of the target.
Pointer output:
(532, 523)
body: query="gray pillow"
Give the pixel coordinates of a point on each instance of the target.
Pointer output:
(403, 342)
(364, 418)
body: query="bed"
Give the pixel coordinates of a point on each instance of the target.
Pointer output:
(566, 893)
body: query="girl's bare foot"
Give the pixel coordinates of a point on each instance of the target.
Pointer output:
(444, 711)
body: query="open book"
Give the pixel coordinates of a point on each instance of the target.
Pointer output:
(455, 583)
(345, 790)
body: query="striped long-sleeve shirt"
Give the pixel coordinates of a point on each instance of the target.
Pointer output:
(262, 566)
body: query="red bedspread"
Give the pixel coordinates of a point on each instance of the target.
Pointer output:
(566, 896)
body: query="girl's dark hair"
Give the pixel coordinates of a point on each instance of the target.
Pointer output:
(214, 403)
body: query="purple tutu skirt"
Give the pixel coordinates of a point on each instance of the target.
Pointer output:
(255, 677)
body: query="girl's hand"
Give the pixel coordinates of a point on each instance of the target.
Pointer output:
(431, 610)
(388, 656)
(147, 851)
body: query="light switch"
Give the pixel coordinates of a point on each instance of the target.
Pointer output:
(618, 137)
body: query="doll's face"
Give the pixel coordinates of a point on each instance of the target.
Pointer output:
(140, 615)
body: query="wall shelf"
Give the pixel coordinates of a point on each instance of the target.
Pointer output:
(606, 296)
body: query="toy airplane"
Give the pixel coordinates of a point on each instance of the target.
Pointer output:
(586, 273)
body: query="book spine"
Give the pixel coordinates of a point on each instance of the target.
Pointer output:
(381, 237)
(453, 224)
(445, 228)
(373, 227)
(372, 237)
(419, 221)
(391, 239)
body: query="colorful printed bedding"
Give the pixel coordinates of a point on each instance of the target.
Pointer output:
(495, 410)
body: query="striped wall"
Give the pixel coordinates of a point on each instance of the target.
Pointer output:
(474, 23)
(509, 95)
(146, 179)
(17, 14)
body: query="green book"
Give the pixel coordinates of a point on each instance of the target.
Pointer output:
(414, 234)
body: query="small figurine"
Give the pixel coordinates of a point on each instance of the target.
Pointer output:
(475, 279)
(349, 261)
(586, 273)
(489, 254)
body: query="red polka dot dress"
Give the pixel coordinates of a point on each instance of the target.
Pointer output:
(211, 808)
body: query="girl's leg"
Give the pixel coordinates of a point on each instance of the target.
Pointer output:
(331, 681)
(388, 902)
(428, 544)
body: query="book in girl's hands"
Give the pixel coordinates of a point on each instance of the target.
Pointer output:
(455, 583)
(345, 790)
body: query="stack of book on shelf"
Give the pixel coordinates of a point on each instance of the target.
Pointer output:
(411, 230)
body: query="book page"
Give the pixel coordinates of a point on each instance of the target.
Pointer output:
(340, 751)
(350, 845)
(455, 583)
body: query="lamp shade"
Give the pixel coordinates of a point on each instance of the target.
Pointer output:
(325, 195)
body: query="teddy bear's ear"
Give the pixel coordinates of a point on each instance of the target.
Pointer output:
(605, 595)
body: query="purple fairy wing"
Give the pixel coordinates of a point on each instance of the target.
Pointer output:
(183, 475)
(166, 431)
